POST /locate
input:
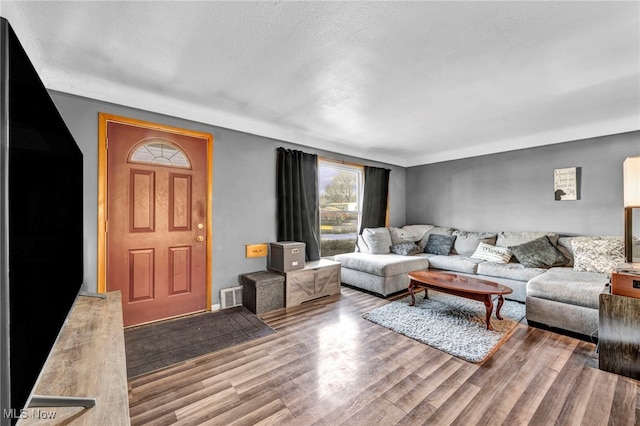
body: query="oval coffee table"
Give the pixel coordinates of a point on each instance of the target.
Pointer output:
(459, 285)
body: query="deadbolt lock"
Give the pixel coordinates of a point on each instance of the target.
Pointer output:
(200, 226)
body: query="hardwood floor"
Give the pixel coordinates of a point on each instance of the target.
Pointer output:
(328, 366)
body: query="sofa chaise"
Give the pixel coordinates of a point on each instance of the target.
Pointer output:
(559, 278)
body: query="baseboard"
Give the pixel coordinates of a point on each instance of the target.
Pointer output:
(215, 307)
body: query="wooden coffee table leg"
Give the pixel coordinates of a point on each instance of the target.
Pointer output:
(500, 302)
(488, 303)
(412, 286)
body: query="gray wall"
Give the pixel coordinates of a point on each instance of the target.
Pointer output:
(244, 205)
(514, 190)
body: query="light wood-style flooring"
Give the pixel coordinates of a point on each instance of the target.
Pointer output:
(328, 366)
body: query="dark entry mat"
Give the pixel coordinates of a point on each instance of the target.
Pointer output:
(154, 346)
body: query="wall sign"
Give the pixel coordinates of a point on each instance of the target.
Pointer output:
(566, 183)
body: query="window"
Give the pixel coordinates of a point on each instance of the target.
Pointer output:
(340, 194)
(160, 152)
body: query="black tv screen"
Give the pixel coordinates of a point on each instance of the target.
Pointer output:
(42, 221)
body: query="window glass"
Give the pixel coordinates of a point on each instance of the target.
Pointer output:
(340, 194)
(160, 152)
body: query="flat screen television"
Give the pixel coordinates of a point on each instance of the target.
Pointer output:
(41, 232)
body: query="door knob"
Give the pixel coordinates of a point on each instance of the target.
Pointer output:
(199, 238)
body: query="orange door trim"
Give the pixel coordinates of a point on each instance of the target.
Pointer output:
(104, 119)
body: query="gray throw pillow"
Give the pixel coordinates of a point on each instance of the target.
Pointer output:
(538, 253)
(439, 244)
(405, 249)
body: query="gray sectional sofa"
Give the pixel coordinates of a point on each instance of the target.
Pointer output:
(561, 291)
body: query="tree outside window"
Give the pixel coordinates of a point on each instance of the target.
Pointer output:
(340, 188)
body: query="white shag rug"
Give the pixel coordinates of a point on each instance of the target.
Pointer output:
(451, 324)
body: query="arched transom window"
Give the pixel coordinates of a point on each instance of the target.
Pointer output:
(161, 153)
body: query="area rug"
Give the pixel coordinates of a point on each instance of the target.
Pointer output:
(451, 324)
(154, 346)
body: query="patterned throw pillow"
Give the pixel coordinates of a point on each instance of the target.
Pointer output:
(538, 253)
(439, 244)
(492, 253)
(597, 255)
(405, 249)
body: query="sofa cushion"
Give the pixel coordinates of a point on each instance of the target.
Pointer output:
(455, 263)
(467, 242)
(597, 254)
(564, 285)
(512, 271)
(538, 253)
(361, 245)
(418, 229)
(383, 265)
(439, 230)
(439, 244)
(400, 235)
(405, 249)
(492, 253)
(513, 238)
(378, 240)
(564, 245)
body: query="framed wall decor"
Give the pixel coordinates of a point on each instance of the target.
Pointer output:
(566, 184)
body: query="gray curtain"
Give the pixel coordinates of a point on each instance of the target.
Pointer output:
(376, 194)
(298, 208)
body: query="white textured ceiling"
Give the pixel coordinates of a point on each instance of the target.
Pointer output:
(405, 83)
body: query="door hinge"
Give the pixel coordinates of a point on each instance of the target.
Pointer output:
(107, 143)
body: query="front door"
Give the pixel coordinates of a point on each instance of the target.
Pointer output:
(156, 221)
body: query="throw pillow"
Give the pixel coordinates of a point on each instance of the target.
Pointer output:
(513, 238)
(405, 249)
(492, 253)
(439, 244)
(440, 230)
(467, 242)
(538, 253)
(399, 235)
(419, 230)
(378, 240)
(564, 245)
(597, 255)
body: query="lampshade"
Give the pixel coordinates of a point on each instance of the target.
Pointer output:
(631, 167)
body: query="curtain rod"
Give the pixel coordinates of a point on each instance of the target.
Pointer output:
(344, 163)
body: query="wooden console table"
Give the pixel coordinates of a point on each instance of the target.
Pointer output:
(87, 360)
(619, 335)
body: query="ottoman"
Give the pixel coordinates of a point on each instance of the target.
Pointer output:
(262, 291)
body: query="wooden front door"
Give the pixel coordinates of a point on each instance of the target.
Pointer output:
(157, 227)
